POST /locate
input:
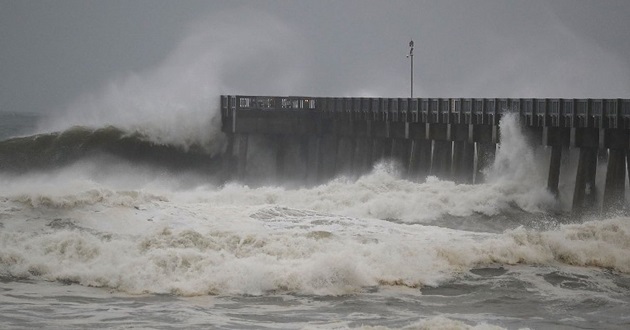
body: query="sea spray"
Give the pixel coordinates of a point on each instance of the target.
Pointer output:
(516, 169)
(177, 102)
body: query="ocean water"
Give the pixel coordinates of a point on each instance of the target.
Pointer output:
(101, 228)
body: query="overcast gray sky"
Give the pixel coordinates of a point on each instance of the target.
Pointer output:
(56, 55)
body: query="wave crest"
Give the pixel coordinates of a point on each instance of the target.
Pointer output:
(58, 149)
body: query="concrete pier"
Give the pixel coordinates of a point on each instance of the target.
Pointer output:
(316, 139)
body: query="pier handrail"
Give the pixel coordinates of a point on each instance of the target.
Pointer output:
(542, 112)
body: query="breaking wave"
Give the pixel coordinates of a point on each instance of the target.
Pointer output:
(316, 254)
(55, 150)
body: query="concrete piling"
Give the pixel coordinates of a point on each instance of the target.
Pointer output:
(401, 151)
(585, 192)
(361, 160)
(442, 159)
(328, 156)
(553, 177)
(345, 155)
(313, 160)
(420, 159)
(242, 156)
(463, 162)
(614, 192)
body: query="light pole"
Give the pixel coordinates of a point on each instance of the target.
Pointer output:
(411, 55)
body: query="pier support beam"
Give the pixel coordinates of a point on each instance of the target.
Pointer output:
(554, 170)
(401, 146)
(281, 159)
(382, 145)
(362, 153)
(401, 150)
(241, 159)
(361, 159)
(442, 159)
(229, 161)
(558, 138)
(345, 155)
(327, 156)
(302, 159)
(420, 150)
(618, 142)
(463, 161)
(585, 192)
(463, 153)
(312, 160)
(614, 192)
(379, 149)
(292, 158)
(420, 159)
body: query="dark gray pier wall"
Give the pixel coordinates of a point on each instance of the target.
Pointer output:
(313, 139)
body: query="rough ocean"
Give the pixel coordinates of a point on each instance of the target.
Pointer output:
(95, 236)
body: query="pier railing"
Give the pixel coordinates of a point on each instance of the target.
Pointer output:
(548, 112)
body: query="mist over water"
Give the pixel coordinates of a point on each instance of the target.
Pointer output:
(177, 102)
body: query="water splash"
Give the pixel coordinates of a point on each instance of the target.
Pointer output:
(177, 102)
(516, 169)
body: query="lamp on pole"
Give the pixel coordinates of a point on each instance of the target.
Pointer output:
(411, 56)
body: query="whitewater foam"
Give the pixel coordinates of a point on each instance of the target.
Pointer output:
(438, 322)
(240, 243)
